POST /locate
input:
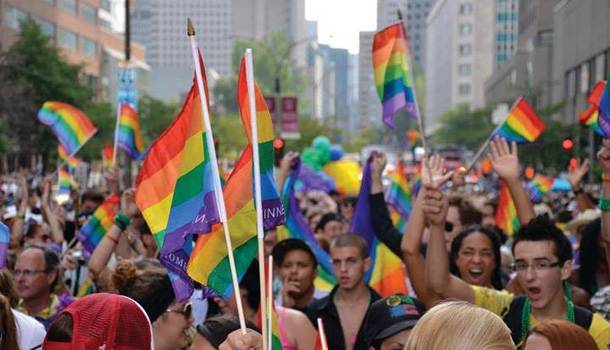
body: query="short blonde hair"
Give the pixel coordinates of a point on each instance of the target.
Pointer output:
(458, 325)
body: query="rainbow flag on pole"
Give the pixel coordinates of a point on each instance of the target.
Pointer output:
(175, 190)
(129, 133)
(399, 194)
(506, 213)
(66, 180)
(391, 71)
(522, 124)
(107, 154)
(92, 233)
(70, 125)
(71, 162)
(590, 116)
(5, 240)
(386, 275)
(603, 120)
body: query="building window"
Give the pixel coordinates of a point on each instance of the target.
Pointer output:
(67, 39)
(13, 17)
(584, 78)
(105, 5)
(599, 67)
(464, 69)
(87, 12)
(46, 27)
(105, 24)
(465, 29)
(465, 49)
(465, 8)
(88, 47)
(68, 6)
(464, 89)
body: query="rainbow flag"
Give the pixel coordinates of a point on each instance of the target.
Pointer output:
(590, 116)
(387, 274)
(398, 221)
(92, 233)
(107, 154)
(209, 263)
(66, 180)
(506, 213)
(391, 71)
(296, 227)
(175, 190)
(88, 287)
(71, 162)
(70, 125)
(416, 181)
(543, 183)
(273, 211)
(522, 124)
(5, 240)
(604, 111)
(129, 133)
(398, 196)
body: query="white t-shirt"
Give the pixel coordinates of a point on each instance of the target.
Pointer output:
(30, 333)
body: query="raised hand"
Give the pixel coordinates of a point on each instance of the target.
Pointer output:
(433, 172)
(435, 205)
(287, 162)
(378, 163)
(128, 203)
(603, 156)
(575, 175)
(504, 159)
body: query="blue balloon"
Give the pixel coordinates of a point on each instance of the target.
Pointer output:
(336, 152)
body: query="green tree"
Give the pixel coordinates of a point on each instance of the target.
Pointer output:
(155, 116)
(464, 127)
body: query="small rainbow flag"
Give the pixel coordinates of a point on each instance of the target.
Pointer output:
(66, 180)
(5, 240)
(522, 124)
(92, 233)
(506, 214)
(398, 221)
(129, 133)
(70, 125)
(590, 116)
(107, 154)
(71, 162)
(399, 194)
(543, 183)
(88, 287)
(391, 71)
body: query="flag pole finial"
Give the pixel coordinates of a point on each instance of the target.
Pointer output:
(190, 29)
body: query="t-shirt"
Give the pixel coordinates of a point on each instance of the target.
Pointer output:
(30, 333)
(498, 302)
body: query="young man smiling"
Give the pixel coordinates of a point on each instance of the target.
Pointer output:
(543, 263)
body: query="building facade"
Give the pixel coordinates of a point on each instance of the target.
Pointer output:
(369, 107)
(507, 29)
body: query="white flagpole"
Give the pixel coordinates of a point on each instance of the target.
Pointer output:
(270, 303)
(257, 190)
(217, 186)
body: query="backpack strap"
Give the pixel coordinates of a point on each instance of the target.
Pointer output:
(583, 317)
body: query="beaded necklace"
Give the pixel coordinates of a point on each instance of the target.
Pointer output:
(527, 310)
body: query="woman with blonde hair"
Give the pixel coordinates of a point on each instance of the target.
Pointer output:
(458, 325)
(559, 335)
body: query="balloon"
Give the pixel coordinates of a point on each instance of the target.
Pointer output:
(336, 152)
(321, 143)
(347, 176)
(311, 157)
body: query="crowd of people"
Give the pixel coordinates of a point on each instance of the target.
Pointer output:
(470, 285)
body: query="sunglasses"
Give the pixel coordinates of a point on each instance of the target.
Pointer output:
(187, 310)
(449, 226)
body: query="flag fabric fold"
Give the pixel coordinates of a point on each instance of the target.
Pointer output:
(391, 71)
(70, 125)
(129, 133)
(590, 116)
(506, 212)
(522, 124)
(386, 275)
(66, 182)
(92, 233)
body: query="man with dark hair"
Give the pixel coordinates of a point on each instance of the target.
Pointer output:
(345, 308)
(330, 226)
(543, 264)
(296, 266)
(36, 275)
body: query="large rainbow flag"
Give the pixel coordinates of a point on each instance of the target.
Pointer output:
(129, 133)
(175, 190)
(273, 211)
(506, 213)
(590, 116)
(522, 124)
(5, 240)
(399, 196)
(70, 125)
(387, 274)
(391, 70)
(92, 233)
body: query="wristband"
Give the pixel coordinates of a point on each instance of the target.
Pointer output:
(112, 239)
(122, 221)
(604, 204)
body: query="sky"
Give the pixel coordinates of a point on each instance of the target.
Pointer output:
(339, 21)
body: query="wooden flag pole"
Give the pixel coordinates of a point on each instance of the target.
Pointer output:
(257, 189)
(220, 202)
(322, 334)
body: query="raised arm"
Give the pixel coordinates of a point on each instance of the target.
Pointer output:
(384, 229)
(439, 280)
(505, 161)
(17, 230)
(285, 166)
(56, 231)
(583, 201)
(603, 157)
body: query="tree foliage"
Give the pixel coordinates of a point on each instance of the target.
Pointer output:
(464, 127)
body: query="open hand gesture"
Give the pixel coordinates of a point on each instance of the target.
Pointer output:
(504, 159)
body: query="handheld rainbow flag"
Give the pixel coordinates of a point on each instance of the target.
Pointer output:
(70, 125)
(506, 213)
(66, 180)
(71, 162)
(92, 233)
(399, 194)
(273, 211)
(522, 124)
(107, 154)
(129, 133)
(391, 71)
(590, 116)
(175, 190)
(386, 275)
(5, 240)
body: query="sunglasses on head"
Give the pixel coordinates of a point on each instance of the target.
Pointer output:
(187, 310)
(448, 226)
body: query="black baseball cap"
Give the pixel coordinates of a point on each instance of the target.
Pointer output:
(391, 315)
(282, 248)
